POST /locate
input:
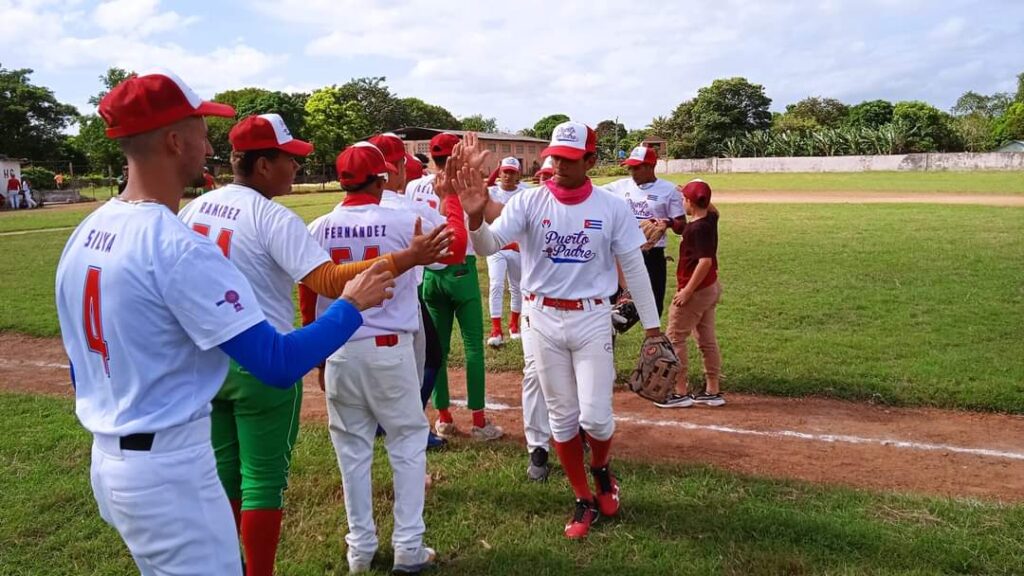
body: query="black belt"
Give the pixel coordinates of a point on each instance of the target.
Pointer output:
(138, 442)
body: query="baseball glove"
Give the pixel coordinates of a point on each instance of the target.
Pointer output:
(624, 316)
(656, 370)
(654, 230)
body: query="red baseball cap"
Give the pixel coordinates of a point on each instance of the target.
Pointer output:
(391, 146)
(641, 155)
(572, 140)
(413, 168)
(153, 100)
(359, 161)
(443, 144)
(697, 191)
(266, 131)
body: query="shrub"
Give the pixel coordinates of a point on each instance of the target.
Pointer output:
(38, 177)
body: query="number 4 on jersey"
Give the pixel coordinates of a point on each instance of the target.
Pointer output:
(223, 237)
(92, 319)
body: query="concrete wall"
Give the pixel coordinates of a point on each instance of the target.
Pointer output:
(7, 167)
(897, 162)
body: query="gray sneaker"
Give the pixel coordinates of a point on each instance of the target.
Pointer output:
(676, 401)
(414, 561)
(486, 432)
(709, 399)
(539, 469)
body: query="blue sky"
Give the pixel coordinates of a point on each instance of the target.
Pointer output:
(520, 61)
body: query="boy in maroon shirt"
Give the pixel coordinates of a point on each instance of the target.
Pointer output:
(693, 307)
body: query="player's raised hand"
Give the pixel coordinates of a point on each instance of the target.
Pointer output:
(473, 152)
(430, 248)
(469, 185)
(371, 287)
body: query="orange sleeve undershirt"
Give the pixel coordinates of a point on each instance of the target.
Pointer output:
(329, 280)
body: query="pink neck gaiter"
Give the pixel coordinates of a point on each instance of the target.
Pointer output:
(570, 196)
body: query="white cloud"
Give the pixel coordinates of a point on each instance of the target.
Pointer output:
(121, 33)
(137, 17)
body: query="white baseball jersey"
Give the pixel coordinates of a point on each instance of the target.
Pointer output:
(430, 218)
(499, 194)
(265, 240)
(422, 190)
(568, 251)
(363, 232)
(658, 199)
(143, 302)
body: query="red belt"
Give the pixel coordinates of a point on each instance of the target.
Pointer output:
(559, 304)
(386, 340)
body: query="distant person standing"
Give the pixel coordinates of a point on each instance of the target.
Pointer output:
(26, 194)
(209, 183)
(13, 189)
(122, 180)
(58, 180)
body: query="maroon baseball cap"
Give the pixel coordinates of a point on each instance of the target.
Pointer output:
(153, 100)
(413, 168)
(359, 161)
(697, 191)
(571, 140)
(641, 155)
(266, 131)
(443, 144)
(391, 146)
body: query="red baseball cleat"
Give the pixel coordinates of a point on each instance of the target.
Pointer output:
(607, 493)
(584, 515)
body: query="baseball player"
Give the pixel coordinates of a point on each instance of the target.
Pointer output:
(373, 379)
(546, 171)
(253, 426)
(570, 234)
(653, 200)
(505, 263)
(149, 313)
(426, 342)
(454, 293)
(693, 306)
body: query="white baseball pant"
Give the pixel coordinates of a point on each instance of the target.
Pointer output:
(168, 503)
(572, 350)
(367, 384)
(499, 265)
(536, 427)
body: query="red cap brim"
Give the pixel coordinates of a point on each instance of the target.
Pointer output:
(214, 109)
(508, 169)
(632, 162)
(563, 152)
(390, 167)
(297, 148)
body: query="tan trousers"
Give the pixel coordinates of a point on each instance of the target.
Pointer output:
(697, 316)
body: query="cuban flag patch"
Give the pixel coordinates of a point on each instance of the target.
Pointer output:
(592, 224)
(652, 198)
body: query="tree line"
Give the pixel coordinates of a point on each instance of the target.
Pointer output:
(731, 117)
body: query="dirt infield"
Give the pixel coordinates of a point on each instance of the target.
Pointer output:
(948, 453)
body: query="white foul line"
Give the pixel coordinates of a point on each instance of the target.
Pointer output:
(829, 438)
(826, 438)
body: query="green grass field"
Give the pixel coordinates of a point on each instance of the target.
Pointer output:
(484, 518)
(896, 182)
(901, 304)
